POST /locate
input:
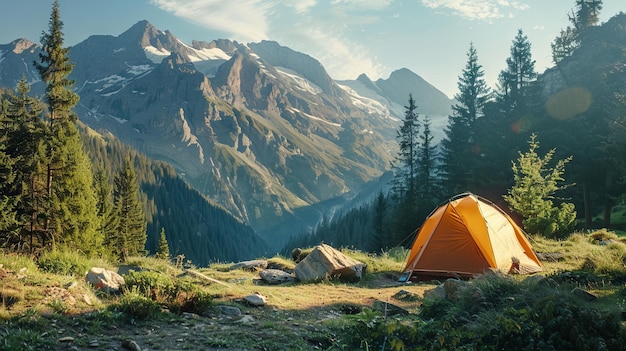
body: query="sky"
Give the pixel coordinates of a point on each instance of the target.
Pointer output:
(349, 37)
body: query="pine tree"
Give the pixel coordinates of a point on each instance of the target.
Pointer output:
(130, 237)
(586, 15)
(25, 134)
(407, 159)
(534, 189)
(404, 186)
(458, 146)
(71, 208)
(427, 184)
(163, 250)
(107, 216)
(516, 80)
(8, 199)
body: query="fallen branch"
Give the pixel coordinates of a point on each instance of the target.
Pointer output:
(204, 277)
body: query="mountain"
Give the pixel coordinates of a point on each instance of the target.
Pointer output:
(260, 129)
(16, 59)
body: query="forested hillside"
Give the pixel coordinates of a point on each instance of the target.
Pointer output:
(195, 227)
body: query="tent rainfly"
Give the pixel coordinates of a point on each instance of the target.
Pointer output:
(467, 236)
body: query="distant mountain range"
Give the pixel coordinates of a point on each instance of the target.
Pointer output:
(260, 129)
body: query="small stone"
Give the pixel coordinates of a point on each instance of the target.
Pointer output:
(94, 343)
(229, 310)
(130, 345)
(86, 299)
(246, 319)
(190, 315)
(389, 309)
(66, 339)
(255, 299)
(404, 295)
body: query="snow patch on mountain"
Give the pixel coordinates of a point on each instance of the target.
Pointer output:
(139, 69)
(262, 65)
(313, 117)
(206, 54)
(369, 105)
(155, 55)
(301, 82)
(189, 137)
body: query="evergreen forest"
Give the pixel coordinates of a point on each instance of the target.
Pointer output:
(547, 148)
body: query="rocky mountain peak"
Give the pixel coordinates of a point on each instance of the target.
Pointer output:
(228, 46)
(310, 68)
(21, 45)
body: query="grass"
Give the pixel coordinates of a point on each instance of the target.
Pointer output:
(297, 316)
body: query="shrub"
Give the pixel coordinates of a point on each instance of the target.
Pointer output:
(137, 305)
(177, 295)
(63, 262)
(493, 313)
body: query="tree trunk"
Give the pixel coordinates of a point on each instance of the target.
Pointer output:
(587, 205)
(608, 204)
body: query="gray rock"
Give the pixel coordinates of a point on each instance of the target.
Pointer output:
(326, 262)
(389, 309)
(249, 265)
(449, 289)
(404, 295)
(105, 280)
(229, 310)
(583, 294)
(255, 299)
(131, 345)
(275, 276)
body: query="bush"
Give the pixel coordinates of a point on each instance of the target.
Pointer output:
(177, 295)
(63, 262)
(493, 313)
(137, 305)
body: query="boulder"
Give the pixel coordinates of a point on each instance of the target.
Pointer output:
(275, 276)
(326, 262)
(105, 280)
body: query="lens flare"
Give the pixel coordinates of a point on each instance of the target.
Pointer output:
(568, 103)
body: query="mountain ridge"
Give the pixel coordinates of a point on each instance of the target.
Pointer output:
(261, 133)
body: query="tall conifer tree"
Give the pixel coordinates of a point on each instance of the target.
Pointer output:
(130, 237)
(515, 81)
(458, 146)
(71, 217)
(404, 187)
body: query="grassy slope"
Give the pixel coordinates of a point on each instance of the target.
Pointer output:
(46, 307)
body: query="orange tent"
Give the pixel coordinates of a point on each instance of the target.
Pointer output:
(467, 236)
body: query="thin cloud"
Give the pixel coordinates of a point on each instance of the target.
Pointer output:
(342, 59)
(246, 20)
(300, 6)
(483, 10)
(309, 26)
